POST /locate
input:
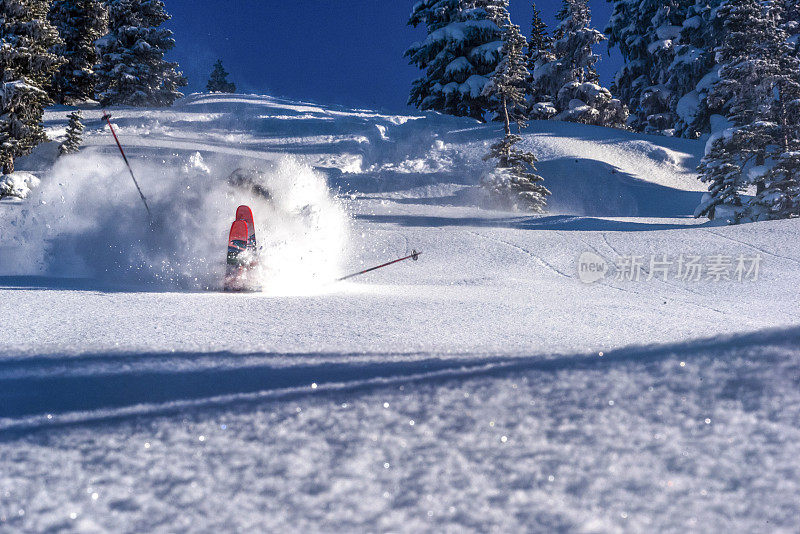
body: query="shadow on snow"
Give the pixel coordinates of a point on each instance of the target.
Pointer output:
(39, 394)
(551, 222)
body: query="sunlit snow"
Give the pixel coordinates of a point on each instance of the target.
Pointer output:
(482, 388)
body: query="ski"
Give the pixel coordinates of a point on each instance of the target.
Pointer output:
(236, 260)
(242, 252)
(244, 213)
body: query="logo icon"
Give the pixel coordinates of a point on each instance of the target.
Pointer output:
(591, 267)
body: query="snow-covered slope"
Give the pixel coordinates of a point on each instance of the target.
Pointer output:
(482, 387)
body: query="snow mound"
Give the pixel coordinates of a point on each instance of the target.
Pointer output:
(658, 155)
(88, 221)
(17, 184)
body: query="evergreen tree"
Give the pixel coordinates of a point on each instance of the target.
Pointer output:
(791, 21)
(669, 50)
(727, 155)
(132, 70)
(778, 189)
(27, 66)
(574, 38)
(780, 195)
(218, 82)
(748, 61)
(570, 78)
(540, 52)
(627, 31)
(514, 181)
(460, 53)
(760, 86)
(74, 134)
(647, 33)
(79, 23)
(540, 42)
(506, 87)
(695, 69)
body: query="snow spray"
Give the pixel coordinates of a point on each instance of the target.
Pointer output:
(77, 224)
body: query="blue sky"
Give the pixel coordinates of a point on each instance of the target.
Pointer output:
(347, 52)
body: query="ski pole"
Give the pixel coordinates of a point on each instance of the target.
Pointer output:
(413, 256)
(107, 117)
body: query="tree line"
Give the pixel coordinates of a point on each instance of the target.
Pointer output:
(726, 69)
(70, 51)
(464, 47)
(729, 69)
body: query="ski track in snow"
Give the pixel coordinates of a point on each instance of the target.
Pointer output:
(483, 388)
(605, 240)
(750, 245)
(607, 283)
(535, 258)
(661, 280)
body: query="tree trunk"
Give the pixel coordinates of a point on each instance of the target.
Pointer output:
(506, 121)
(784, 130)
(8, 166)
(503, 163)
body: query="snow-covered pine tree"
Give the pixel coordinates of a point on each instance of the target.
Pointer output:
(791, 22)
(778, 189)
(506, 89)
(79, 23)
(540, 43)
(74, 134)
(670, 66)
(660, 102)
(574, 38)
(760, 85)
(727, 156)
(646, 33)
(218, 82)
(627, 31)
(27, 66)
(780, 196)
(132, 70)
(460, 53)
(735, 152)
(570, 77)
(513, 181)
(540, 51)
(694, 69)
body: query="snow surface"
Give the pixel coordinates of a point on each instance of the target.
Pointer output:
(481, 388)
